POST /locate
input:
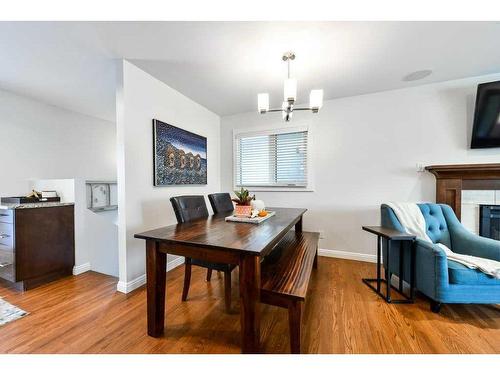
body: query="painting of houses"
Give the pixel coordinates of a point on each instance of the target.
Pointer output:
(180, 157)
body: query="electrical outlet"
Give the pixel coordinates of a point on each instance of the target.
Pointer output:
(321, 234)
(420, 167)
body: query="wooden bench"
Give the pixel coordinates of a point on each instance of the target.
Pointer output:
(285, 275)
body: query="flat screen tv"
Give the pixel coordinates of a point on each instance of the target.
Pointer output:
(486, 128)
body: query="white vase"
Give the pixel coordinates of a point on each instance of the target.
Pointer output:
(258, 205)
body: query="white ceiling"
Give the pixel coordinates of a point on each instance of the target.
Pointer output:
(223, 65)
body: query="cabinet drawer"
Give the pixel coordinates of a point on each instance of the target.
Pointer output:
(6, 234)
(8, 273)
(7, 264)
(6, 248)
(6, 216)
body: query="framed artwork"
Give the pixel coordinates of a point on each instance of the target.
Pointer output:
(179, 156)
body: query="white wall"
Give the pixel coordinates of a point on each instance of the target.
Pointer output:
(141, 98)
(99, 233)
(40, 141)
(365, 153)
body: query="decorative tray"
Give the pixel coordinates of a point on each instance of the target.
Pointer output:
(251, 220)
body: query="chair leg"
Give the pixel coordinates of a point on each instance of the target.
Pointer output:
(435, 306)
(209, 274)
(294, 319)
(227, 290)
(187, 278)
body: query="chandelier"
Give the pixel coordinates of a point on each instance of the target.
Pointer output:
(290, 96)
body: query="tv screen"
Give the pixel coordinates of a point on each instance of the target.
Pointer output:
(486, 129)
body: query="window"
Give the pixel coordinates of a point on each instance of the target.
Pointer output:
(272, 158)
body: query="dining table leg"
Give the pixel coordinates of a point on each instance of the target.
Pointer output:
(250, 303)
(298, 225)
(156, 267)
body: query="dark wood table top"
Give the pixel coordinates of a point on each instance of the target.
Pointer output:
(391, 234)
(215, 232)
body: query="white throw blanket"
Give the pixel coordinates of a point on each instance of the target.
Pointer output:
(412, 220)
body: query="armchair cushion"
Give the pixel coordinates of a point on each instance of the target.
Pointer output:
(460, 274)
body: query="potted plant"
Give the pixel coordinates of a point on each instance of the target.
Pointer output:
(243, 207)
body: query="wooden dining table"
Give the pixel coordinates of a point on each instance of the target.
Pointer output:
(219, 241)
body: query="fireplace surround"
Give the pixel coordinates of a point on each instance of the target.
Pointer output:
(451, 180)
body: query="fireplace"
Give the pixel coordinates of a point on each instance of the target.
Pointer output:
(451, 180)
(489, 223)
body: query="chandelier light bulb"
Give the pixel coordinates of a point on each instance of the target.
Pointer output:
(290, 90)
(263, 102)
(316, 100)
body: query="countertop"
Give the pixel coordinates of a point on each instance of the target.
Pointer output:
(20, 206)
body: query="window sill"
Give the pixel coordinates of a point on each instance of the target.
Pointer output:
(275, 188)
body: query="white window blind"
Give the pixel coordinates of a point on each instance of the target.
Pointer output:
(271, 159)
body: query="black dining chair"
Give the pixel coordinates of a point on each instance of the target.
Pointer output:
(192, 207)
(221, 202)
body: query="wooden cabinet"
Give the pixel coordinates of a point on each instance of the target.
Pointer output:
(37, 245)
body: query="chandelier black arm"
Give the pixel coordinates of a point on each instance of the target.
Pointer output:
(295, 109)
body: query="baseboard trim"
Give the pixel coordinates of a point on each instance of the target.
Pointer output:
(127, 287)
(175, 263)
(77, 270)
(347, 255)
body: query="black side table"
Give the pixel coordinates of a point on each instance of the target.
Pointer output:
(406, 239)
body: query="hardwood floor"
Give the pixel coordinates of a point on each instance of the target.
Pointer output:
(85, 314)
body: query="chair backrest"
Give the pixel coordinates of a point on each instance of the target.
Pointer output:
(435, 221)
(437, 227)
(221, 202)
(189, 207)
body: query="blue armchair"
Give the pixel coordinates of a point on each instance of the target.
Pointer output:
(441, 280)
